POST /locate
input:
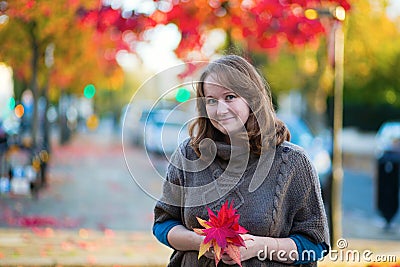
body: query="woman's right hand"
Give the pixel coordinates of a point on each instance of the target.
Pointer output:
(183, 239)
(210, 254)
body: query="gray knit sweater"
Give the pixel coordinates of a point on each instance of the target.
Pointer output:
(288, 201)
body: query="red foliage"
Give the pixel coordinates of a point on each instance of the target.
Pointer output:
(222, 233)
(37, 221)
(190, 68)
(264, 25)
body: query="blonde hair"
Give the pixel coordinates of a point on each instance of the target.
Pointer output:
(237, 74)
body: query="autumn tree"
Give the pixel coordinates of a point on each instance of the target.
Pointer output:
(113, 32)
(84, 49)
(372, 83)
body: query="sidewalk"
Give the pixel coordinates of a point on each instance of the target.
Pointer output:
(84, 247)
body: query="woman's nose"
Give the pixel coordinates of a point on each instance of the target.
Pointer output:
(222, 108)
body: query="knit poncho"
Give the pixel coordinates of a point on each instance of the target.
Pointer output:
(287, 201)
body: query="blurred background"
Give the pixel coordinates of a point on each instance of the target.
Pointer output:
(96, 95)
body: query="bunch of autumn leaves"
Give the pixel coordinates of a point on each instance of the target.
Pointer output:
(222, 233)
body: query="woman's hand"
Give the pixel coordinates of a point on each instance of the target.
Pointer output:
(257, 244)
(253, 245)
(210, 254)
(181, 238)
(245, 253)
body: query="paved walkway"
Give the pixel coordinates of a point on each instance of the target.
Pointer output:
(49, 247)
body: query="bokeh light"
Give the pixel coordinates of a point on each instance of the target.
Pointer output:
(92, 122)
(182, 95)
(89, 91)
(311, 14)
(11, 103)
(19, 111)
(390, 96)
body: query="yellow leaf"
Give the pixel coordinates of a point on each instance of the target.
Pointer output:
(203, 223)
(198, 231)
(203, 248)
(217, 253)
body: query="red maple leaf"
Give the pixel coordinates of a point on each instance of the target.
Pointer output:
(222, 233)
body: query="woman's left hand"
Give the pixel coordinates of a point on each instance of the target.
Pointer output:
(251, 250)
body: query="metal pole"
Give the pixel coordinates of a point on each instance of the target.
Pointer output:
(337, 175)
(337, 15)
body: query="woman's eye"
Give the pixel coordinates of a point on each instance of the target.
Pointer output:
(230, 97)
(211, 101)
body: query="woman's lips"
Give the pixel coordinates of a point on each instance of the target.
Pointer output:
(225, 119)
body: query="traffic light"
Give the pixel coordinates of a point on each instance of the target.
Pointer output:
(182, 95)
(89, 91)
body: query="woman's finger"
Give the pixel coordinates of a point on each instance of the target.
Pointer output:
(209, 255)
(229, 262)
(225, 258)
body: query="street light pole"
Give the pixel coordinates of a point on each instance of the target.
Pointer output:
(336, 36)
(337, 175)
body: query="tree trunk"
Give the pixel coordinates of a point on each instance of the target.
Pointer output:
(33, 83)
(45, 146)
(65, 132)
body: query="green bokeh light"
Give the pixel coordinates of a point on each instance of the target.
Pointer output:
(11, 103)
(182, 95)
(89, 91)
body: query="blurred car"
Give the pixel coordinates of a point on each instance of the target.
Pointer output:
(315, 147)
(137, 135)
(164, 129)
(388, 138)
(388, 165)
(131, 122)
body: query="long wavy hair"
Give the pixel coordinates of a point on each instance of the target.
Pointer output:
(237, 74)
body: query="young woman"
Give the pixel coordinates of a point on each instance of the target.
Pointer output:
(239, 152)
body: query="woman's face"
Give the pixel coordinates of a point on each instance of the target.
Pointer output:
(228, 112)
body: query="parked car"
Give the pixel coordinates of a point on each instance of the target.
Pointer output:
(164, 130)
(135, 115)
(315, 146)
(137, 131)
(388, 137)
(131, 122)
(388, 166)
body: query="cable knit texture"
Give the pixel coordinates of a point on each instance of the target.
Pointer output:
(287, 202)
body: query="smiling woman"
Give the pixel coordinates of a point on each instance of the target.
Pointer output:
(238, 152)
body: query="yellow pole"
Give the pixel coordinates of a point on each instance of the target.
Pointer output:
(338, 15)
(337, 175)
